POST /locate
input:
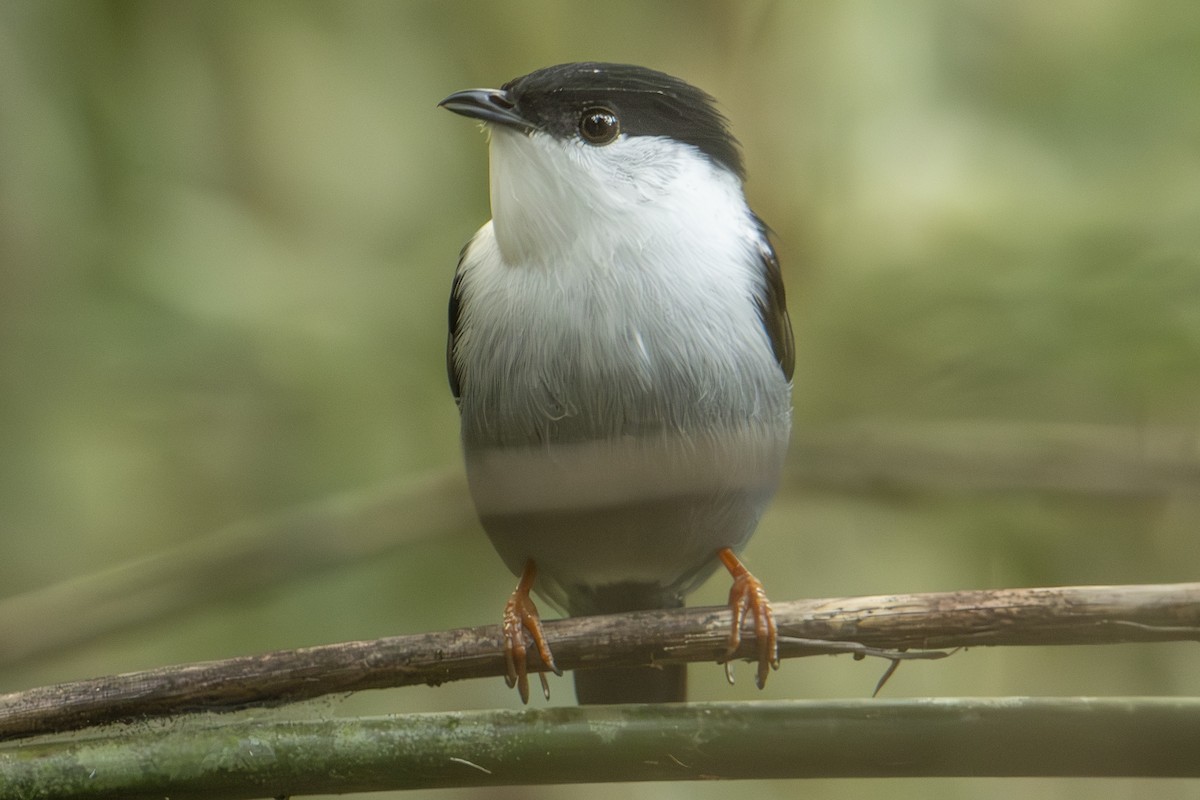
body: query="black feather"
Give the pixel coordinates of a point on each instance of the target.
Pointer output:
(648, 103)
(452, 331)
(772, 306)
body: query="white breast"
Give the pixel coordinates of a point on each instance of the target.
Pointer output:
(614, 293)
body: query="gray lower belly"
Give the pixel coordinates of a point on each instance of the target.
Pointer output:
(669, 544)
(636, 512)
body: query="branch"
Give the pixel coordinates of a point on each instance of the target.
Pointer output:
(242, 557)
(1145, 737)
(980, 455)
(1065, 615)
(972, 456)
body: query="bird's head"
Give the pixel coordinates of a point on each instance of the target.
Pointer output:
(576, 147)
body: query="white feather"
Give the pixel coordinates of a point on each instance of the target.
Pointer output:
(630, 269)
(623, 412)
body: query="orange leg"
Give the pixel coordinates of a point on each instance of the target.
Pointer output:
(521, 615)
(747, 594)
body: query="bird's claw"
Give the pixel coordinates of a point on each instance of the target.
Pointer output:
(521, 616)
(748, 594)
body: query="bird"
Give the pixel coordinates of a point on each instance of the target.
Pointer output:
(621, 356)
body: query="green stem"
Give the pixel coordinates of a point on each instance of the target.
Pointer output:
(192, 757)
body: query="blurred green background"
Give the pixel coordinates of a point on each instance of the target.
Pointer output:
(227, 232)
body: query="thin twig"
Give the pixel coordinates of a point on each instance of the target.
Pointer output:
(919, 622)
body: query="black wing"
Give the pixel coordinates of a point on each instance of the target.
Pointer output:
(772, 306)
(455, 301)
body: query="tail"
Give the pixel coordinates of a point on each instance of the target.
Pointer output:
(609, 685)
(666, 684)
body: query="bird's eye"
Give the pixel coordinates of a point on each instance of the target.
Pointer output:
(599, 126)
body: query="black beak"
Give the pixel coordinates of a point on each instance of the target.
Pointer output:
(489, 105)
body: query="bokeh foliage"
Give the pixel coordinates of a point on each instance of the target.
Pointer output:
(227, 232)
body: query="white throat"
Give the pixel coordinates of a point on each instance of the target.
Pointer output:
(554, 201)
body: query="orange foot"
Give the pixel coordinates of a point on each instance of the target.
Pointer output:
(747, 594)
(520, 615)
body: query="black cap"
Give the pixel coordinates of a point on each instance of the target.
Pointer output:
(645, 101)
